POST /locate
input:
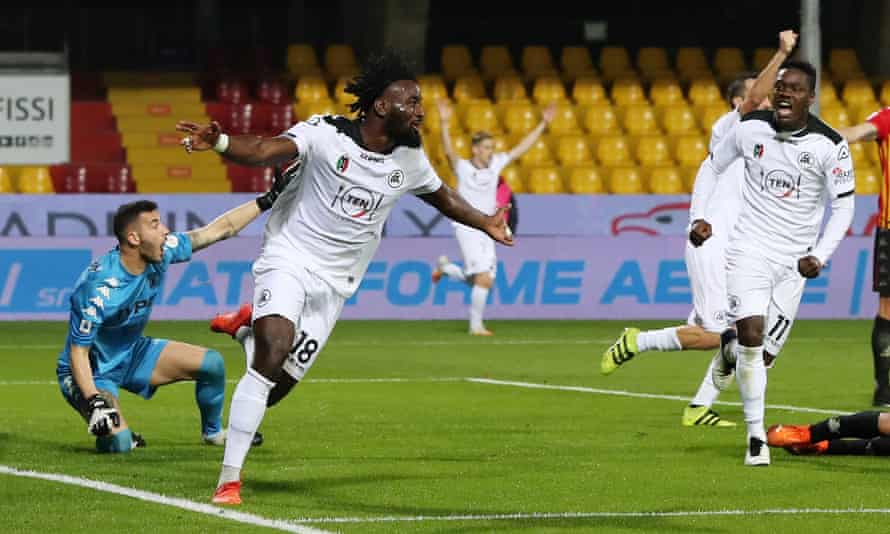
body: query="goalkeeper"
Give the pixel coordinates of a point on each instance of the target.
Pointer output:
(110, 306)
(863, 434)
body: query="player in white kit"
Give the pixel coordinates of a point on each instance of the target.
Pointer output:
(706, 263)
(794, 163)
(324, 230)
(477, 182)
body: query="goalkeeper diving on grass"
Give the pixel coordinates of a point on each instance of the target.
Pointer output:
(109, 308)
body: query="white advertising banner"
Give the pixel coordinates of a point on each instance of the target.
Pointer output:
(34, 119)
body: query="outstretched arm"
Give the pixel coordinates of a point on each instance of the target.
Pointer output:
(529, 140)
(445, 115)
(861, 132)
(225, 226)
(241, 149)
(765, 81)
(453, 206)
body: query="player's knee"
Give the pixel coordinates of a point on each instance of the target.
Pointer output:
(483, 280)
(120, 442)
(750, 333)
(213, 368)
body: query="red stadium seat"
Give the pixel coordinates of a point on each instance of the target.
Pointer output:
(232, 91)
(274, 118)
(250, 179)
(92, 178)
(272, 91)
(234, 118)
(91, 117)
(97, 146)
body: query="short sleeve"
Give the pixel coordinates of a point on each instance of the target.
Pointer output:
(499, 160)
(177, 248)
(305, 135)
(87, 312)
(881, 121)
(727, 150)
(423, 177)
(839, 175)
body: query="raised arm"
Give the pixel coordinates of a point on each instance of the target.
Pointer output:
(241, 149)
(765, 81)
(453, 206)
(529, 140)
(861, 132)
(445, 115)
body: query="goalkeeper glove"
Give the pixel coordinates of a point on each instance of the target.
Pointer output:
(279, 184)
(103, 416)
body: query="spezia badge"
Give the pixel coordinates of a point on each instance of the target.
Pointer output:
(395, 179)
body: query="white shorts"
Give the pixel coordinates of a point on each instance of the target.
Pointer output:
(758, 286)
(478, 251)
(306, 300)
(706, 266)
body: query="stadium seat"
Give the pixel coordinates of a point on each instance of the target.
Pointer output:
(652, 59)
(162, 155)
(572, 150)
(827, 94)
(99, 146)
(600, 119)
(311, 89)
(468, 88)
(666, 181)
(480, 115)
(7, 184)
(708, 115)
(844, 65)
(678, 120)
(690, 150)
(868, 180)
(92, 178)
(666, 93)
(575, 61)
(539, 154)
(858, 92)
(688, 174)
(565, 121)
(537, 61)
(92, 117)
(639, 120)
(613, 151)
(835, 116)
(520, 117)
(859, 114)
(301, 60)
(495, 61)
(305, 110)
(456, 61)
(871, 150)
(625, 181)
(509, 87)
(232, 91)
(586, 180)
(339, 60)
(885, 93)
(171, 110)
(151, 95)
(35, 180)
(151, 139)
(652, 151)
(545, 180)
(272, 90)
(614, 62)
(250, 179)
(432, 87)
(274, 119)
(704, 93)
(860, 158)
(729, 62)
(628, 92)
(691, 62)
(587, 90)
(513, 176)
(548, 89)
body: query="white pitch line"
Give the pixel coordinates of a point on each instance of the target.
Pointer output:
(185, 504)
(592, 515)
(622, 393)
(384, 380)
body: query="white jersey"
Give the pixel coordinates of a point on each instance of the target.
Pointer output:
(479, 187)
(330, 218)
(788, 178)
(722, 208)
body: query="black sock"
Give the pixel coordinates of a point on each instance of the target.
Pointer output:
(880, 350)
(859, 425)
(879, 446)
(857, 447)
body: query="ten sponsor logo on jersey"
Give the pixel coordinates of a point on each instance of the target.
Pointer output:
(781, 184)
(357, 202)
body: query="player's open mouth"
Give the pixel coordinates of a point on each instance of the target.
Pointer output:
(783, 108)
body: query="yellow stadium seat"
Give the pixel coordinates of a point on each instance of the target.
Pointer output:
(166, 155)
(480, 116)
(565, 121)
(871, 150)
(761, 57)
(844, 64)
(639, 120)
(520, 117)
(587, 180)
(868, 180)
(627, 92)
(666, 181)
(536, 60)
(35, 180)
(613, 151)
(150, 172)
(575, 61)
(691, 61)
(653, 151)
(304, 110)
(468, 88)
(311, 89)
(6, 182)
(835, 116)
(708, 115)
(588, 90)
(666, 93)
(860, 113)
(509, 87)
(858, 92)
(548, 89)
(690, 150)
(652, 59)
(456, 61)
(860, 158)
(827, 94)
(572, 150)
(432, 87)
(150, 124)
(600, 119)
(495, 61)
(301, 60)
(678, 120)
(545, 180)
(460, 143)
(729, 62)
(614, 61)
(704, 94)
(339, 60)
(626, 181)
(171, 109)
(501, 144)
(538, 154)
(688, 173)
(138, 79)
(152, 95)
(169, 138)
(514, 178)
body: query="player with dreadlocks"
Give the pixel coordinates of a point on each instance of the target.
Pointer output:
(323, 231)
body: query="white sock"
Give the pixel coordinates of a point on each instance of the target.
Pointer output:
(478, 297)
(244, 335)
(245, 414)
(707, 392)
(451, 270)
(662, 340)
(751, 376)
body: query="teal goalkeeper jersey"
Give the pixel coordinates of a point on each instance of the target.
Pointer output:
(110, 307)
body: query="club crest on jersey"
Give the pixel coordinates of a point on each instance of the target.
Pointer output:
(265, 297)
(734, 303)
(758, 150)
(342, 163)
(780, 184)
(806, 161)
(395, 179)
(357, 202)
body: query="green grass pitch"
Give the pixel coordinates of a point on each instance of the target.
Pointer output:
(436, 446)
